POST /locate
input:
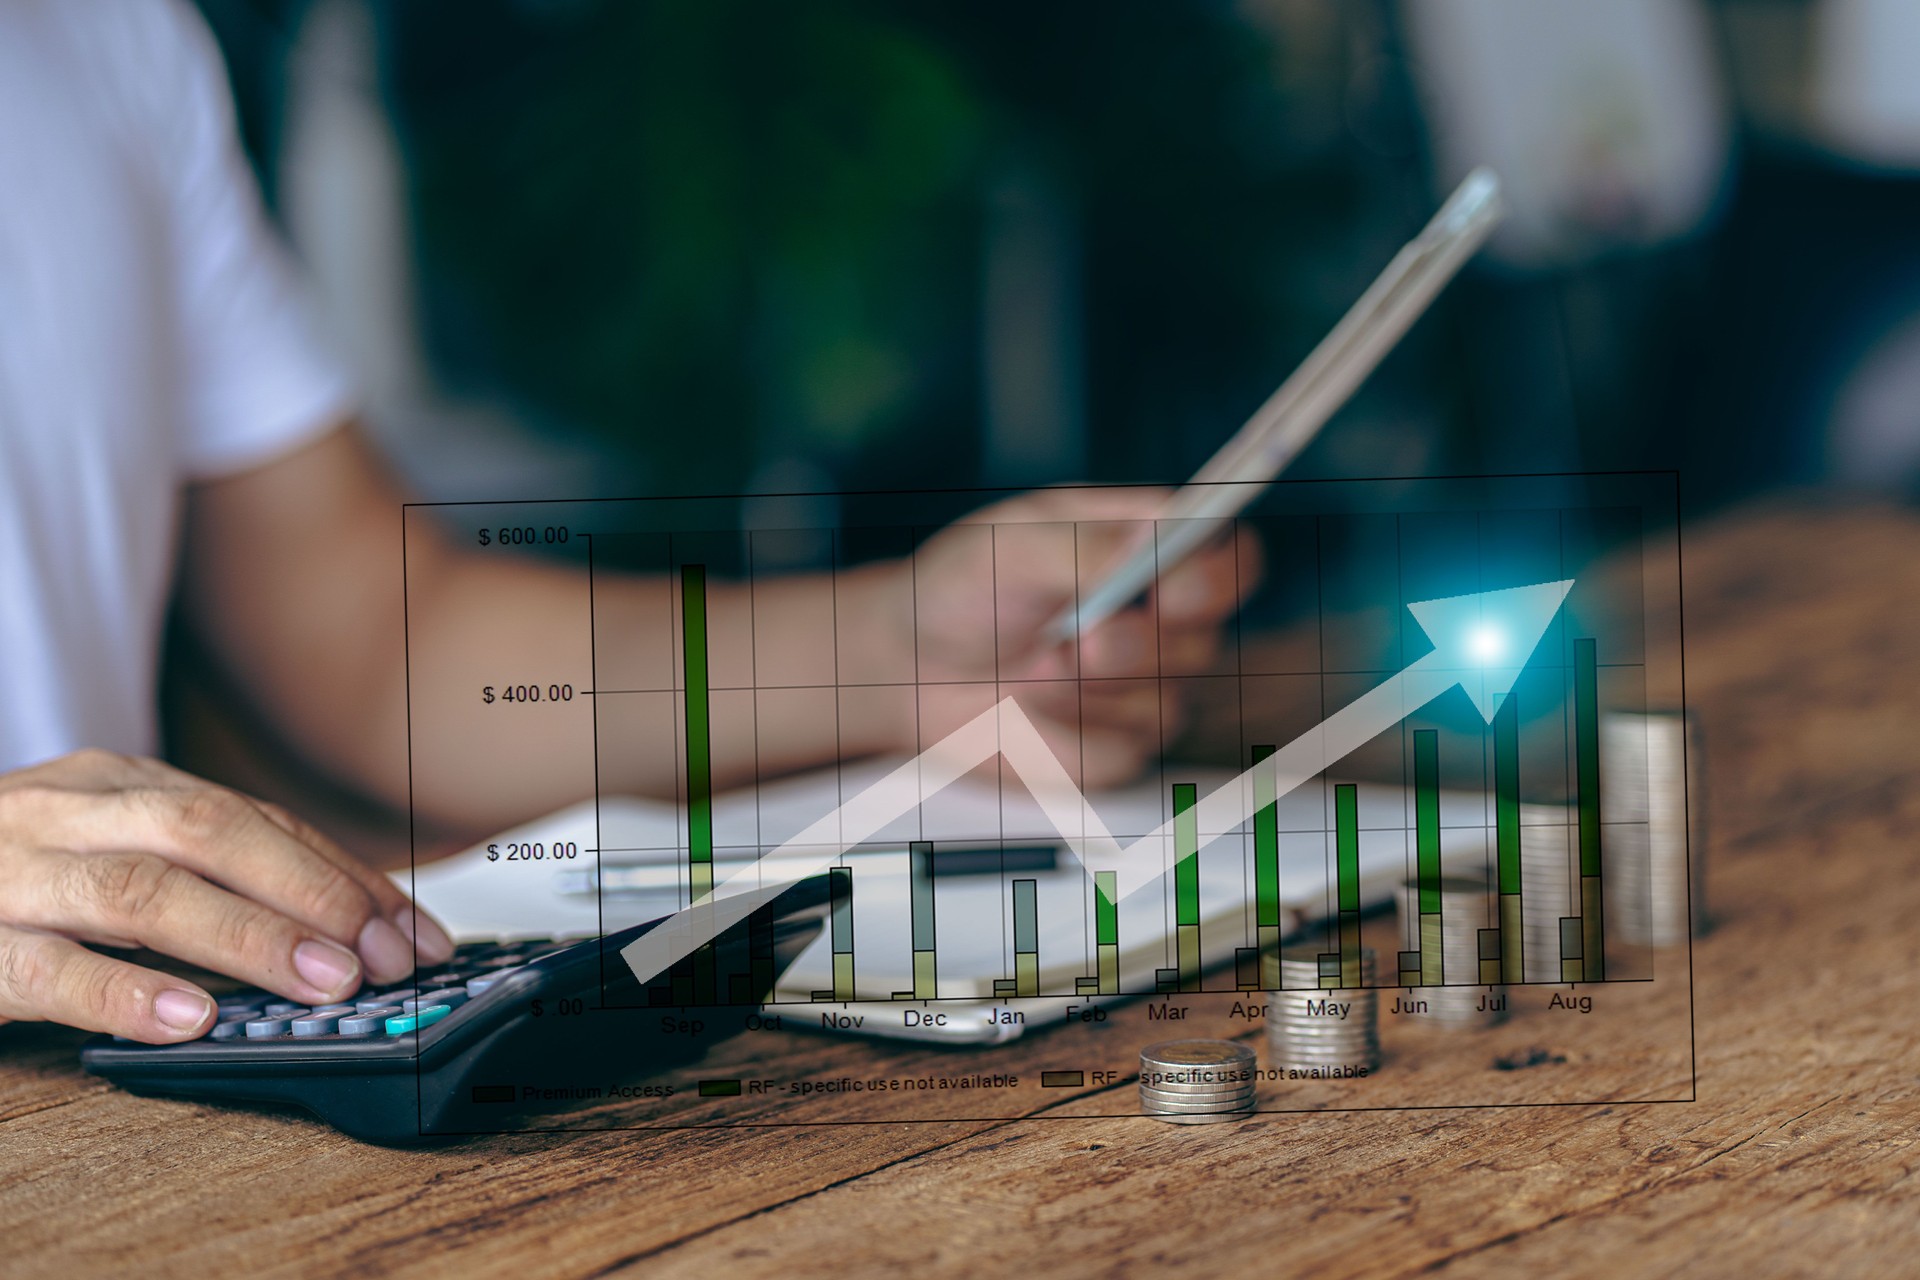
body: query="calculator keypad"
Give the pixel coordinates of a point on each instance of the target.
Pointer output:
(476, 968)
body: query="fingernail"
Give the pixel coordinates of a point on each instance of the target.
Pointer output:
(425, 933)
(385, 949)
(325, 967)
(182, 1010)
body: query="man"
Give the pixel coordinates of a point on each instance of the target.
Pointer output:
(169, 428)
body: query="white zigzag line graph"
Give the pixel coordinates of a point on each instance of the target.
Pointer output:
(1005, 731)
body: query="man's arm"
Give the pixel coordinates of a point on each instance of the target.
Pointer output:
(293, 574)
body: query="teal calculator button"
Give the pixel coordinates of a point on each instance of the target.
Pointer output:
(415, 1021)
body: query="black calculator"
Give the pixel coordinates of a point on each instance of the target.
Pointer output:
(430, 1057)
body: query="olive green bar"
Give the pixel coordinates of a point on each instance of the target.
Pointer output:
(1349, 950)
(1511, 939)
(1593, 930)
(1187, 943)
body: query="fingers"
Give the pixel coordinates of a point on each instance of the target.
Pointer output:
(47, 978)
(223, 837)
(162, 905)
(1133, 644)
(91, 775)
(1082, 504)
(1206, 587)
(421, 930)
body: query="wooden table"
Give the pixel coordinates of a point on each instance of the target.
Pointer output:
(1803, 634)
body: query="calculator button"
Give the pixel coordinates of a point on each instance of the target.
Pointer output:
(317, 1023)
(266, 1028)
(234, 1006)
(382, 999)
(452, 997)
(280, 1008)
(368, 1022)
(231, 1029)
(417, 1021)
(333, 1008)
(486, 981)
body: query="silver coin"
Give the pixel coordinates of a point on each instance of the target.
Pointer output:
(1175, 1054)
(1210, 1090)
(1195, 1108)
(1207, 1099)
(1204, 1117)
(1181, 1081)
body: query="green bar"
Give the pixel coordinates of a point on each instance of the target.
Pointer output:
(1586, 737)
(1346, 829)
(1266, 846)
(1593, 930)
(1106, 912)
(1426, 817)
(1506, 791)
(1186, 852)
(693, 645)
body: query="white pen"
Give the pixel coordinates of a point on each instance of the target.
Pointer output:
(1293, 415)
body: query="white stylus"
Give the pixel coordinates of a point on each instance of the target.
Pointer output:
(1293, 415)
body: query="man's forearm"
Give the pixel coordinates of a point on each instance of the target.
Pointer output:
(480, 621)
(379, 674)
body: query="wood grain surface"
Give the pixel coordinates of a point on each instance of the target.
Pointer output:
(1796, 1158)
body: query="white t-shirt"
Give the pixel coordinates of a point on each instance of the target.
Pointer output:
(151, 333)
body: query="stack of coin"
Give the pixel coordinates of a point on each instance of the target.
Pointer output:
(1315, 1028)
(1650, 766)
(1196, 1081)
(1467, 905)
(1548, 859)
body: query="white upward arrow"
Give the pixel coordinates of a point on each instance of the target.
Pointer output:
(1480, 642)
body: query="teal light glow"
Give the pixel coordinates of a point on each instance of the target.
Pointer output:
(1486, 644)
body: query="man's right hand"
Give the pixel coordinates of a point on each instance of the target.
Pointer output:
(115, 851)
